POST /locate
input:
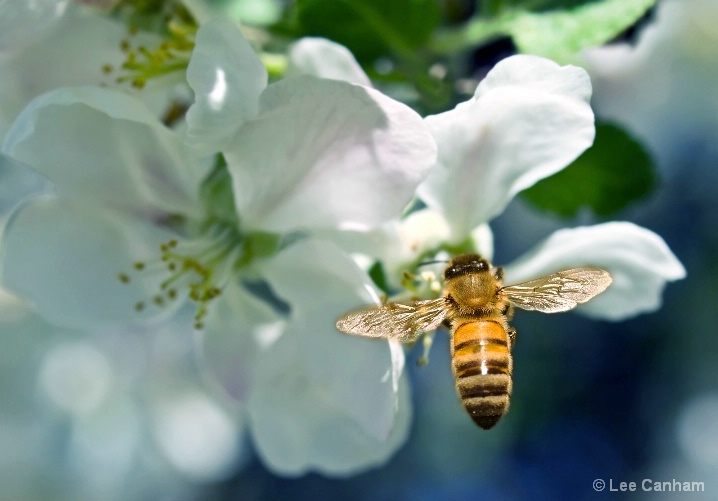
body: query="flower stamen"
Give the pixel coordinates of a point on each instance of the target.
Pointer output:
(201, 266)
(142, 63)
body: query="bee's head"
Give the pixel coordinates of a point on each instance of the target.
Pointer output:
(465, 264)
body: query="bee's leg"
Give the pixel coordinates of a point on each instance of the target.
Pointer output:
(513, 334)
(508, 311)
(428, 340)
(499, 273)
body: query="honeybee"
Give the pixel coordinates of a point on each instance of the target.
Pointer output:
(477, 308)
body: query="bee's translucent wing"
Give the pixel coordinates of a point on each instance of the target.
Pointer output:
(401, 321)
(560, 291)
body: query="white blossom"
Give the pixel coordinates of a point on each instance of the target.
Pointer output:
(326, 59)
(118, 176)
(303, 154)
(372, 184)
(528, 119)
(639, 261)
(55, 43)
(50, 44)
(662, 86)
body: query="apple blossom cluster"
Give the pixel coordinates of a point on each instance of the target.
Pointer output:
(261, 209)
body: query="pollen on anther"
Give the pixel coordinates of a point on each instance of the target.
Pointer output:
(198, 325)
(139, 306)
(172, 294)
(139, 266)
(124, 278)
(158, 300)
(172, 266)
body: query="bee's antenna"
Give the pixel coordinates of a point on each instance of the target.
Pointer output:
(435, 261)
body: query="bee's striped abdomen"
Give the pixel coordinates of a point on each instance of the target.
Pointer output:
(481, 362)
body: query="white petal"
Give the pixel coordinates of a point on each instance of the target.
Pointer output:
(421, 236)
(103, 147)
(238, 327)
(327, 154)
(325, 59)
(18, 182)
(297, 427)
(320, 283)
(426, 230)
(661, 86)
(398, 244)
(21, 21)
(638, 260)
(227, 78)
(324, 401)
(543, 75)
(529, 119)
(66, 259)
(397, 367)
(482, 240)
(203, 12)
(423, 231)
(72, 53)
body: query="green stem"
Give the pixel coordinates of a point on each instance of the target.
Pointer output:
(477, 31)
(392, 38)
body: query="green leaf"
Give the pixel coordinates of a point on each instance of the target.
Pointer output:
(544, 5)
(557, 29)
(562, 35)
(255, 12)
(378, 276)
(611, 174)
(217, 194)
(371, 28)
